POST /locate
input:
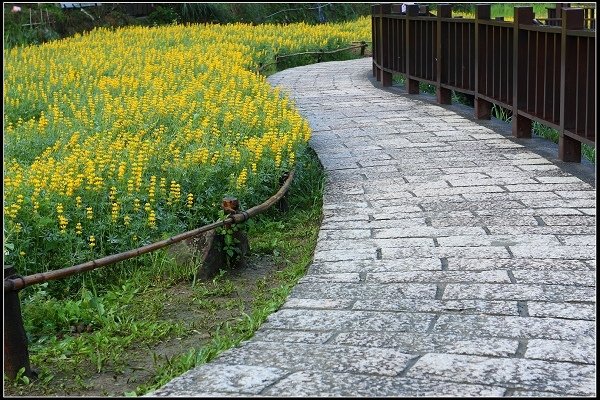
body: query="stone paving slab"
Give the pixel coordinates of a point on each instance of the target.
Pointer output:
(451, 261)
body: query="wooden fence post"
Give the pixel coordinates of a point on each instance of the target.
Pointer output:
(412, 86)
(444, 96)
(569, 149)
(521, 126)
(16, 353)
(386, 43)
(374, 38)
(551, 15)
(483, 108)
(380, 41)
(560, 7)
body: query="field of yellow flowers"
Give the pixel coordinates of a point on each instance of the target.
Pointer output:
(118, 138)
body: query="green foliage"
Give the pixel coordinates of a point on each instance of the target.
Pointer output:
(230, 243)
(75, 327)
(270, 12)
(163, 15)
(505, 10)
(589, 152)
(20, 379)
(306, 192)
(34, 24)
(501, 113)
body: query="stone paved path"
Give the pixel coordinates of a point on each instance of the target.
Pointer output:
(451, 261)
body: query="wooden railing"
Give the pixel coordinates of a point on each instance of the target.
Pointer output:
(539, 72)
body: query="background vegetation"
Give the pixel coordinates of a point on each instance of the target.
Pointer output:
(506, 10)
(41, 22)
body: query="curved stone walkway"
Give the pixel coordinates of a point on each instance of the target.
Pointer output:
(451, 261)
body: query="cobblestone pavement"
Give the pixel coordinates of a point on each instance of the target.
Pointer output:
(451, 261)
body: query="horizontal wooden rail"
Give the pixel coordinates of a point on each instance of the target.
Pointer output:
(543, 72)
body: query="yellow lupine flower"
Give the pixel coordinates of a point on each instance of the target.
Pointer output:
(241, 180)
(152, 219)
(175, 190)
(63, 222)
(113, 193)
(114, 213)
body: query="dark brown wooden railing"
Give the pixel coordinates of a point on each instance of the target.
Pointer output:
(539, 70)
